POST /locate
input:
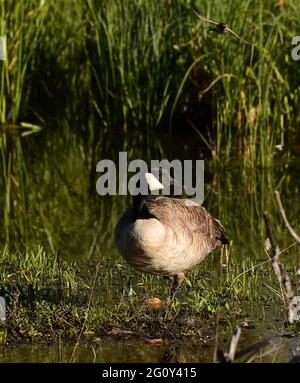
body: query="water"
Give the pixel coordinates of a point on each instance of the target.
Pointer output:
(130, 351)
(134, 350)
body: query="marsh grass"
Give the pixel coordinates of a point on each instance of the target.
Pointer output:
(48, 300)
(23, 26)
(255, 92)
(35, 271)
(142, 77)
(38, 317)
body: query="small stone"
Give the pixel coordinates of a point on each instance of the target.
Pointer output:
(154, 303)
(154, 342)
(118, 332)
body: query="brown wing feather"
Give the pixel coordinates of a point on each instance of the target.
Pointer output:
(188, 216)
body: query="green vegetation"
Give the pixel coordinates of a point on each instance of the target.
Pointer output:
(86, 79)
(48, 301)
(52, 298)
(141, 76)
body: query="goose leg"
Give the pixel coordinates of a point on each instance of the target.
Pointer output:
(178, 278)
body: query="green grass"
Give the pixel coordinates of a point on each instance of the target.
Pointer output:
(35, 270)
(48, 298)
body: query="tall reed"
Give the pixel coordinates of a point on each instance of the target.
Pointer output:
(22, 23)
(140, 76)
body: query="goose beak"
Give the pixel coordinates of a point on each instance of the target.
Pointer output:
(153, 182)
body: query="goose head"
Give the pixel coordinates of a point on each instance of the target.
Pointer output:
(161, 180)
(153, 183)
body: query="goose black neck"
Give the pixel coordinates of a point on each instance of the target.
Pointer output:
(138, 202)
(140, 207)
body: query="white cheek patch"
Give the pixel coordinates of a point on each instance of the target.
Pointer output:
(153, 182)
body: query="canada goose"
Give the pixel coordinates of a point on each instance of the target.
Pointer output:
(166, 236)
